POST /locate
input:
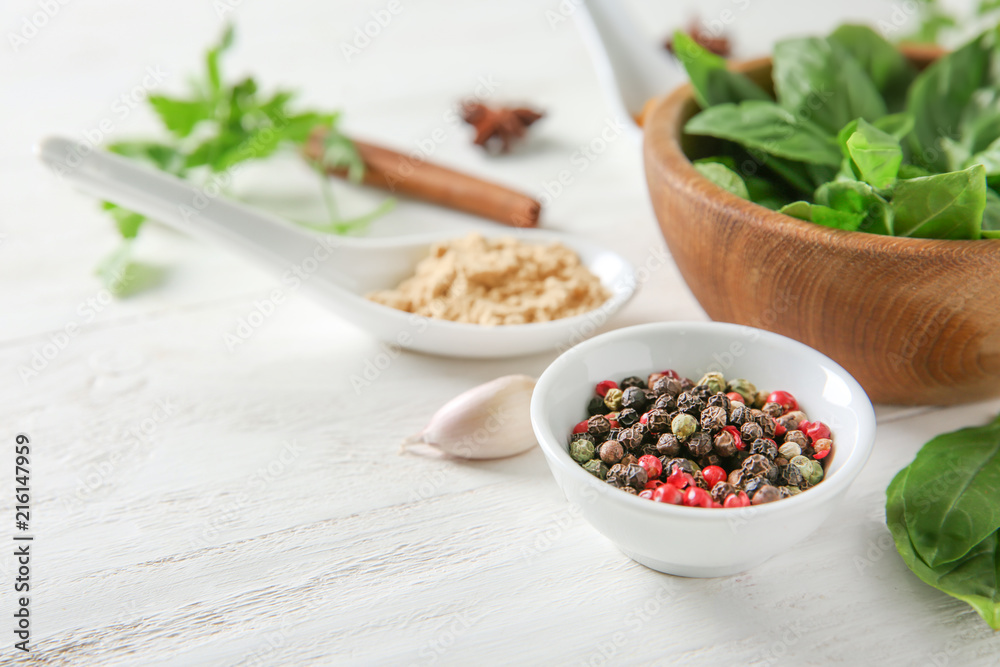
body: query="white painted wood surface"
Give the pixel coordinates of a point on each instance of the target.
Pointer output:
(196, 505)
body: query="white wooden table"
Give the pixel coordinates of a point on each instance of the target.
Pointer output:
(200, 505)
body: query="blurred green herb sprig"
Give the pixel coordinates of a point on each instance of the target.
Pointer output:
(221, 125)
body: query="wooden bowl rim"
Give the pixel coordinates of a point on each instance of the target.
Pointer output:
(662, 148)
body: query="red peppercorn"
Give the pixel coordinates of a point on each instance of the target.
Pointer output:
(614, 423)
(737, 438)
(712, 474)
(604, 386)
(670, 373)
(739, 499)
(668, 493)
(581, 427)
(815, 430)
(779, 430)
(680, 479)
(646, 493)
(716, 504)
(822, 454)
(644, 418)
(733, 396)
(651, 465)
(653, 484)
(784, 399)
(697, 497)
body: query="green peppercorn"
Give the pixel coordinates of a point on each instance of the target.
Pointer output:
(815, 473)
(714, 381)
(684, 426)
(613, 399)
(596, 468)
(760, 399)
(744, 388)
(789, 450)
(791, 490)
(581, 450)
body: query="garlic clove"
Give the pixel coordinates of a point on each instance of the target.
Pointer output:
(490, 421)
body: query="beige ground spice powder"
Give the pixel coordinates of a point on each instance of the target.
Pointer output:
(497, 281)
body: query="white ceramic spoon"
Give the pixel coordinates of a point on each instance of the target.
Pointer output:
(631, 69)
(337, 270)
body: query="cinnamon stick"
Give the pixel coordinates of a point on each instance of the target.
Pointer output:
(397, 172)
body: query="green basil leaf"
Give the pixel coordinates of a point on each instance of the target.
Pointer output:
(876, 155)
(858, 197)
(974, 578)
(766, 127)
(897, 124)
(939, 96)
(180, 116)
(711, 79)
(820, 80)
(952, 493)
(824, 215)
(908, 171)
(764, 192)
(724, 177)
(943, 206)
(128, 222)
(888, 69)
(989, 158)
(991, 216)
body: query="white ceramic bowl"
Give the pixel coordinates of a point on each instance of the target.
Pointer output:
(690, 541)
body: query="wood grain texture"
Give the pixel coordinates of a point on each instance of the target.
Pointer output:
(915, 321)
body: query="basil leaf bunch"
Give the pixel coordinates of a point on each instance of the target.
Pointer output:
(221, 125)
(943, 511)
(855, 138)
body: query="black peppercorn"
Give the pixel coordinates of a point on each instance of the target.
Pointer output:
(690, 404)
(666, 386)
(739, 415)
(755, 464)
(641, 429)
(658, 421)
(630, 439)
(766, 424)
(686, 384)
(798, 437)
(668, 445)
(710, 460)
(765, 494)
(665, 402)
(613, 434)
(632, 381)
(682, 464)
(629, 459)
(721, 491)
(596, 406)
(772, 410)
(750, 484)
(699, 480)
(599, 427)
(634, 398)
(790, 475)
(582, 436)
(720, 401)
(713, 418)
(616, 475)
(611, 452)
(724, 444)
(751, 431)
(628, 417)
(635, 476)
(736, 478)
(629, 490)
(764, 447)
(702, 391)
(699, 444)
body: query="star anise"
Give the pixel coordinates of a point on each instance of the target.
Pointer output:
(500, 126)
(717, 44)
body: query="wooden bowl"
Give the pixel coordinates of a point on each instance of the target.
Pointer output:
(916, 321)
